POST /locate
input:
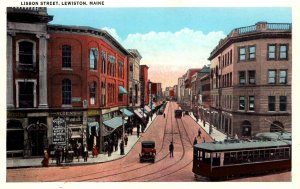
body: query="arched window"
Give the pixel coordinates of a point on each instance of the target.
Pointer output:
(246, 128)
(66, 56)
(66, 91)
(93, 91)
(276, 126)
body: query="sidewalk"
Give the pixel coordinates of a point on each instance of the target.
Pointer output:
(36, 162)
(216, 134)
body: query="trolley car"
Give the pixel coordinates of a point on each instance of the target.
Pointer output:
(229, 159)
(178, 113)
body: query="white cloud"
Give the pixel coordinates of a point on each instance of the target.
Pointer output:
(170, 54)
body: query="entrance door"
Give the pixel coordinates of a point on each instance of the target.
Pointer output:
(38, 139)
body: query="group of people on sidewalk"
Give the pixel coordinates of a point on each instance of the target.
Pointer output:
(62, 154)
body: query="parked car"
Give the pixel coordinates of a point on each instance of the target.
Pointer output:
(148, 151)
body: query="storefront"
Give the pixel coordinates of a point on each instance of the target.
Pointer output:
(75, 130)
(93, 126)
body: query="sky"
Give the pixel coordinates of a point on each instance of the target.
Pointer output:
(171, 40)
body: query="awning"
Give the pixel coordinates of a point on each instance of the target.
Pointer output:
(122, 90)
(114, 122)
(126, 112)
(147, 109)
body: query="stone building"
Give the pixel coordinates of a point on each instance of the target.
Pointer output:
(251, 74)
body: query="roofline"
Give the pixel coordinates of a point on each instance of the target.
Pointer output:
(89, 30)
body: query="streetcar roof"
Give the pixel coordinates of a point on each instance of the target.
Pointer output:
(230, 146)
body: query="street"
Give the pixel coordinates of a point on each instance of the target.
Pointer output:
(128, 169)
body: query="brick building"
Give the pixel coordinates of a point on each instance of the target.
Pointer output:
(66, 84)
(251, 74)
(87, 71)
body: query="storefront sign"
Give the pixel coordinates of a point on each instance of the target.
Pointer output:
(70, 117)
(16, 115)
(59, 131)
(93, 113)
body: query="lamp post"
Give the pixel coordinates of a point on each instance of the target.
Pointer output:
(122, 91)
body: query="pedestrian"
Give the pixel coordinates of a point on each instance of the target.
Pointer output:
(203, 140)
(204, 123)
(64, 154)
(95, 151)
(79, 150)
(121, 147)
(199, 133)
(126, 140)
(138, 131)
(58, 155)
(110, 146)
(164, 115)
(105, 146)
(131, 130)
(195, 141)
(85, 153)
(171, 149)
(116, 145)
(45, 161)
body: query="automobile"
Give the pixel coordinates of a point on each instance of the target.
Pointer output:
(148, 151)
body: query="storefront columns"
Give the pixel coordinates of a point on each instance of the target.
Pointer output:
(43, 103)
(9, 80)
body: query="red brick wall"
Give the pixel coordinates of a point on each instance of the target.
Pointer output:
(80, 74)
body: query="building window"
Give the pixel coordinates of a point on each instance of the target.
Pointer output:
(251, 103)
(26, 55)
(103, 92)
(272, 76)
(242, 103)
(242, 53)
(66, 91)
(120, 96)
(242, 77)
(252, 53)
(93, 89)
(251, 75)
(121, 69)
(283, 77)
(26, 94)
(282, 103)
(93, 58)
(283, 52)
(66, 56)
(103, 62)
(271, 52)
(271, 100)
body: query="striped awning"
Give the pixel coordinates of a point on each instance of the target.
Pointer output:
(114, 122)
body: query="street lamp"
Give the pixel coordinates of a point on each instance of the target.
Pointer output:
(122, 91)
